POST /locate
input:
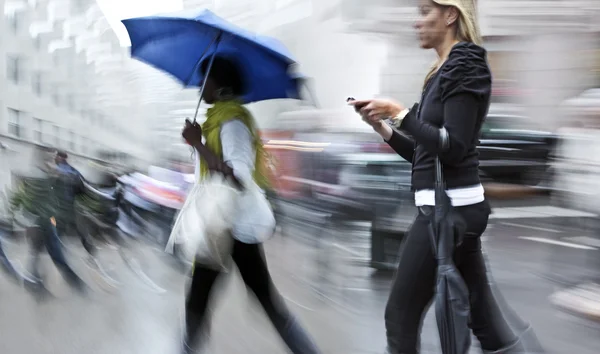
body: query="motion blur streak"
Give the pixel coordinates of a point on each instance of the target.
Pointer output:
(341, 195)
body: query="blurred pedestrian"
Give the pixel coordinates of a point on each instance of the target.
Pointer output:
(5, 263)
(231, 135)
(6, 228)
(37, 201)
(69, 185)
(447, 123)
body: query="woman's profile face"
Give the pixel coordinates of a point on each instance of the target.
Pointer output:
(210, 90)
(431, 25)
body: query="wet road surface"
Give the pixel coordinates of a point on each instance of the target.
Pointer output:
(338, 298)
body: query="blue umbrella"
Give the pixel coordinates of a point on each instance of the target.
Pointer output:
(178, 43)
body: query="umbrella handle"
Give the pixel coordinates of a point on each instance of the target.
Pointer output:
(216, 42)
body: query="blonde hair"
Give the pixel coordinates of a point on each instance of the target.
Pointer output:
(467, 25)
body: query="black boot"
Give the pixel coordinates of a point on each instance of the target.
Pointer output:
(35, 286)
(297, 339)
(72, 278)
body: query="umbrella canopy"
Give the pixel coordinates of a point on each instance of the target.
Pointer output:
(452, 308)
(179, 43)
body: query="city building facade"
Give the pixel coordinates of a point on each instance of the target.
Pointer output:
(66, 82)
(70, 83)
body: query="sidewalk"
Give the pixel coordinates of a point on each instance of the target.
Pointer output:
(341, 305)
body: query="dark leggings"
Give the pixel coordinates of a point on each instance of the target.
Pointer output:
(413, 287)
(253, 268)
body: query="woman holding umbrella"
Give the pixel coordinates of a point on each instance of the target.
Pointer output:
(445, 124)
(233, 67)
(230, 135)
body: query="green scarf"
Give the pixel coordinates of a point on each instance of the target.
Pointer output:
(216, 116)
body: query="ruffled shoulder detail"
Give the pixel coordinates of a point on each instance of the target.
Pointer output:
(466, 71)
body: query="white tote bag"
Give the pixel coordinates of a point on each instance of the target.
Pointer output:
(255, 222)
(202, 230)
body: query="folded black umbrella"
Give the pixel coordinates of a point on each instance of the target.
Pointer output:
(452, 296)
(527, 340)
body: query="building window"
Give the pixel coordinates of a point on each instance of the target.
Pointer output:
(38, 130)
(57, 136)
(14, 122)
(37, 83)
(78, 7)
(70, 102)
(14, 20)
(56, 96)
(13, 68)
(71, 141)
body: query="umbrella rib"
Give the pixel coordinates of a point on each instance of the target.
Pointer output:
(165, 37)
(215, 40)
(158, 37)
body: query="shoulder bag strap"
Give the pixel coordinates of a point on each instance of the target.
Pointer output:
(439, 174)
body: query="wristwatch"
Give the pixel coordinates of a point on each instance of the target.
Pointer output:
(397, 120)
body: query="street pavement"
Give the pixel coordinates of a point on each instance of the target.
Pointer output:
(533, 251)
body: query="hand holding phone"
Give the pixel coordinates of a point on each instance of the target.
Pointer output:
(357, 106)
(371, 113)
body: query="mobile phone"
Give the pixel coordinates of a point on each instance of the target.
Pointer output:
(357, 108)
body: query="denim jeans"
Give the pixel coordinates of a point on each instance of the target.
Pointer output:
(48, 238)
(414, 285)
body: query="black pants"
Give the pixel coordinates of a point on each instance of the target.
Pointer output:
(413, 287)
(253, 268)
(46, 236)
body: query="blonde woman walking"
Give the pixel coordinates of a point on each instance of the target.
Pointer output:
(446, 123)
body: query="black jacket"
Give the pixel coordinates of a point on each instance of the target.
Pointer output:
(456, 98)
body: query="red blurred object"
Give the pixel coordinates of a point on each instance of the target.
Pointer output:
(377, 148)
(286, 163)
(162, 196)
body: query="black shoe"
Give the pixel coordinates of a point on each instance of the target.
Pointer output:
(196, 334)
(75, 281)
(36, 288)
